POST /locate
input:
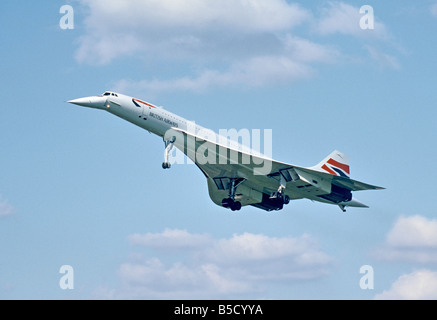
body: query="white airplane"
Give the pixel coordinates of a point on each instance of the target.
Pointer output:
(236, 175)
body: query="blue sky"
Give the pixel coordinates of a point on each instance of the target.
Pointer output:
(83, 188)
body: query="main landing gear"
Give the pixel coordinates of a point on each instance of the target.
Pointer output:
(230, 202)
(278, 199)
(168, 146)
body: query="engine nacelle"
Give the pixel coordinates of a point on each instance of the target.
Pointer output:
(270, 203)
(338, 194)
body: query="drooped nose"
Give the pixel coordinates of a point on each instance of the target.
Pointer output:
(90, 102)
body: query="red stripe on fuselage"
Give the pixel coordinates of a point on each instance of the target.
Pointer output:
(147, 104)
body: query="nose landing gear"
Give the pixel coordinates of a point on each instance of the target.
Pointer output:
(168, 146)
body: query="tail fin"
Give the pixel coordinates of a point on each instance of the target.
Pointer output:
(336, 163)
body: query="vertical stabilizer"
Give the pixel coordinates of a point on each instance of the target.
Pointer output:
(337, 163)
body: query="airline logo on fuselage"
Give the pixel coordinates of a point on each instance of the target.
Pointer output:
(136, 101)
(153, 115)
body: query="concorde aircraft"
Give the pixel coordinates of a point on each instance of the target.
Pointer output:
(237, 176)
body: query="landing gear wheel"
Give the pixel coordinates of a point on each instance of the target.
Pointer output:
(231, 204)
(227, 202)
(236, 206)
(286, 199)
(166, 165)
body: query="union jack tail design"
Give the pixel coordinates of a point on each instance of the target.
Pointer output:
(336, 163)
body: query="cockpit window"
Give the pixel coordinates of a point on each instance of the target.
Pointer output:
(108, 93)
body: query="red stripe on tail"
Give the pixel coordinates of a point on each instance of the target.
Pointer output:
(342, 166)
(326, 168)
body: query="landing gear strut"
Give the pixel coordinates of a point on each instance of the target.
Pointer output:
(230, 202)
(342, 207)
(281, 197)
(277, 200)
(168, 146)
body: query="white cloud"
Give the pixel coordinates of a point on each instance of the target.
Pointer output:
(170, 238)
(412, 232)
(5, 208)
(342, 18)
(180, 28)
(418, 285)
(412, 238)
(246, 15)
(292, 64)
(228, 43)
(255, 72)
(152, 279)
(109, 47)
(304, 50)
(216, 268)
(339, 18)
(287, 251)
(383, 59)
